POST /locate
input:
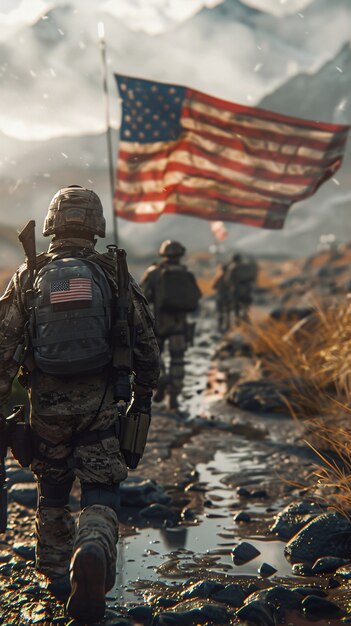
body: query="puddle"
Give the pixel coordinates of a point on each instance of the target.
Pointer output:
(173, 555)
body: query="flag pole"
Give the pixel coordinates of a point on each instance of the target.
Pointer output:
(101, 35)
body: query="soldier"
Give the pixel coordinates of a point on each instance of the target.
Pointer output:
(61, 335)
(240, 275)
(173, 291)
(223, 299)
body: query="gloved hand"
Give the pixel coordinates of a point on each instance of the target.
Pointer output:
(140, 404)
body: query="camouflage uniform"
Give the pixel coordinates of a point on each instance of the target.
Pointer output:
(240, 275)
(61, 409)
(169, 327)
(223, 300)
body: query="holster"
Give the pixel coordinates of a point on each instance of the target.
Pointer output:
(20, 437)
(133, 436)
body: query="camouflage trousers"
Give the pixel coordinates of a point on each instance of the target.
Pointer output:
(177, 348)
(62, 457)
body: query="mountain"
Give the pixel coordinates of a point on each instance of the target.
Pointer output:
(50, 88)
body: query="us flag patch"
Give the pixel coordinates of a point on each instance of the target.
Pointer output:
(69, 290)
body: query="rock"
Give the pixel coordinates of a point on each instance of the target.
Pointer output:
(158, 511)
(231, 594)
(302, 569)
(344, 572)
(140, 492)
(242, 492)
(266, 570)
(294, 517)
(214, 614)
(315, 606)
(328, 534)
(244, 552)
(19, 475)
(256, 613)
(242, 516)
(328, 564)
(185, 618)
(260, 396)
(24, 493)
(164, 603)
(141, 613)
(203, 589)
(259, 493)
(277, 596)
(25, 551)
(307, 591)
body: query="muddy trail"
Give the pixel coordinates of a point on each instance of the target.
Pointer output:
(212, 479)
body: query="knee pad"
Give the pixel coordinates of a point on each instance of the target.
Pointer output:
(54, 494)
(98, 493)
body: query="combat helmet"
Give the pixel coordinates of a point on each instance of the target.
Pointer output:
(170, 248)
(75, 208)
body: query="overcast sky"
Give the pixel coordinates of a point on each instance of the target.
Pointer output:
(240, 50)
(50, 66)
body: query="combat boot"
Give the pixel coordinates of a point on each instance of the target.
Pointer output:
(87, 601)
(173, 403)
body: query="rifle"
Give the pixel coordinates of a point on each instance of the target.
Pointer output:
(14, 434)
(122, 354)
(134, 425)
(27, 239)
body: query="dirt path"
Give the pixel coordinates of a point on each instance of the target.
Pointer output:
(198, 461)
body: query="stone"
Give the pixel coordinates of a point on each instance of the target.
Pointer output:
(242, 516)
(266, 570)
(294, 517)
(231, 594)
(140, 492)
(24, 494)
(244, 552)
(27, 552)
(158, 511)
(328, 564)
(202, 589)
(256, 613)
(315, 606)
(328, 534)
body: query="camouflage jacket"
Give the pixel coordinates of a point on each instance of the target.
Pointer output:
(14, 319)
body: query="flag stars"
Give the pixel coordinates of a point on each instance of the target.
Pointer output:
(130, 94)
(127, 133)
(154, 88)
(138, 104)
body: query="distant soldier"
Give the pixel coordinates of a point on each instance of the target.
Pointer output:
(223, 299)
(240, 276)
(66, 320)
(173, 291)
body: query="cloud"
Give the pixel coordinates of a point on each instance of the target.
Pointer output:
(152, 16)
(279, 8)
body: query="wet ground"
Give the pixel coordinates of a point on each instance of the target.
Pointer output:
(214, 462)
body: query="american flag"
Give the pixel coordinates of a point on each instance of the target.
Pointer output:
(182, 151)
(69, 290)
(219, 230)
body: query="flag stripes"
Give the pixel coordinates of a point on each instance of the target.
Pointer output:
(216, 160)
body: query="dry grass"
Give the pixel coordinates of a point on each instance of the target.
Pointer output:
(311, 359)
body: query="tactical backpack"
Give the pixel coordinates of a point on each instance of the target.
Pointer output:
(177, 290)
(243, 272)
(70, 317)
